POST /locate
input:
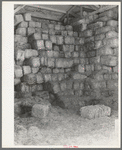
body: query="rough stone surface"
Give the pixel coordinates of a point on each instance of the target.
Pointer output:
(95, 111)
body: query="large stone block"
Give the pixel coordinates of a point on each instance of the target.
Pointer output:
(109, 69)
(47, 78)
(111, 34)
(40, 110)
(99, 37)
(109, 13)
(107, 76)
(76, 61)
(38, 44)
(56, 87)
(61, 76)
(70, 33)
(27, 16)
(23, 24)
(59, 40)
(39, 78)
(22, 87)
(26, 70)
(16, 81)
(94, 60)
(106, 50)
(94, 26)
(18, 19)
(35, 70)
(20, 39)
(18, 71)
(78, 76)
(89, 39)
(45, 36)
(112, 23)
(56, 54)
(19, 55)
(28, 53)
(112, 42)
(51, 31)
(104, 29)
(54, 77)
(57, 27)
(98, 44)
(53, 38)
(95, 111)
(69, 40)
(51, 26)
(75, 54)
(109, 60)
(48, 45)
(112, 84)
(31, 24)
(68, 54)
(64, 33)
(87, 33)
(80, 68)
(69, 27)
(63, 86)
(33, 62)
(89, 67)
(34, 36)
(76, 85)
(30, 31)
(29, 78)
(116, 69)
(91, 54)
(51, 62)
(21, 31)
(38, 24)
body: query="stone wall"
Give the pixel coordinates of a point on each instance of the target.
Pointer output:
(77, 66)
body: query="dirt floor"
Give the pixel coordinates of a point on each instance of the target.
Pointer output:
(66, 128)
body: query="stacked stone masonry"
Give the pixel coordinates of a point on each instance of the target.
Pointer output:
(61, 60)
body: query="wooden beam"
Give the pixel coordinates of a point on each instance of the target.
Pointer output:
(79, 20)
(47, 8)
(69, 11)
(81, 11)
(44, 16)
(18, 8)
(67, 17)
(94, 7)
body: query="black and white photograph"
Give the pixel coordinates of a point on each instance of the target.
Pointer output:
(66, 74)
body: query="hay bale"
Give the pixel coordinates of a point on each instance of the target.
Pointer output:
(95, 111)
